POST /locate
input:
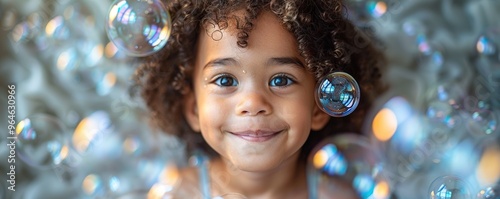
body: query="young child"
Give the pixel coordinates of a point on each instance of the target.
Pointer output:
(237, 81)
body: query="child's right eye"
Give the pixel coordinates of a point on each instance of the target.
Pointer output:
(225, 80)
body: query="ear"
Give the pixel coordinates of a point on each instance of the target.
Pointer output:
(319, 119)
(191, 111)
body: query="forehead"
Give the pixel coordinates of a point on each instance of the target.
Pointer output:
(268, 37)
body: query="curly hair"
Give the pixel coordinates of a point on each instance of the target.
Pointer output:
(326, 39)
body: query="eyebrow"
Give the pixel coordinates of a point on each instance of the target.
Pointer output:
(271, 62)
(285, 61)
(221, 61)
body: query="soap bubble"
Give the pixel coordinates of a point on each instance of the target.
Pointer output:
(449, 187)
(490, 192)
(337, 94)
(107, 179)
(482, 123)
(346, 164)
(41, 141)
(138, 27)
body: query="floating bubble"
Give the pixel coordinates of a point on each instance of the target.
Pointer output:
(337, 94)
(41, 141)
(490, 192)
(100, 179)
(482, 122)
(347, 165)
(443, 112)
(449, 187)
(138, 27)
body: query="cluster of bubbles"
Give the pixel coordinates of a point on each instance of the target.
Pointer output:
(438, 133)
(348, 167)
(436, 136)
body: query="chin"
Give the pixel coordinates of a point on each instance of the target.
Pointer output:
(257, 164)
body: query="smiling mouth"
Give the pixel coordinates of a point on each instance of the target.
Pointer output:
(256, 136)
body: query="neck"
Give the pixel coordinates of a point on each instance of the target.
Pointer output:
(284, 181)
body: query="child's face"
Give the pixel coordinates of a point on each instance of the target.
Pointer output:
(253, 105)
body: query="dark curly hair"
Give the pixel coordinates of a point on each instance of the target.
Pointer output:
(326, 39)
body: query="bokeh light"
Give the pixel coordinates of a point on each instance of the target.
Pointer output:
(138, 27)
(90, 131)
(485, 46)
(385, 124)
(487, 171)
(376, 8)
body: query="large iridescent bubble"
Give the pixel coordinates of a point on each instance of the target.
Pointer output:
(346, 165)
(138, 27)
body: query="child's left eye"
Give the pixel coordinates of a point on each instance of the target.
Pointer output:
(281, 80)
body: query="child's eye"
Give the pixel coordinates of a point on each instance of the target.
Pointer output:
(225, 80)
(281, 80)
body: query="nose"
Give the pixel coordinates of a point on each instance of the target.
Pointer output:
(253, 103)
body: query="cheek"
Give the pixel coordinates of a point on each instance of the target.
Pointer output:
(212, 113)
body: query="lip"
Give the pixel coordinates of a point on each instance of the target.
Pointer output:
(257, 135)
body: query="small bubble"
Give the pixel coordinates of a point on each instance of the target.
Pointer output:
(346, 165)
(491, 192)
(41, 141)
(483, 122)
(337, 94)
